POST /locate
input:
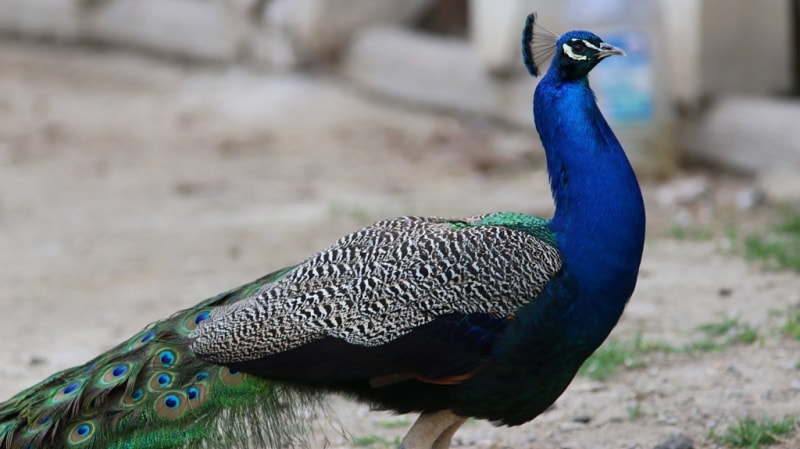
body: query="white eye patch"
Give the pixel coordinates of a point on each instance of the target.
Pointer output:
(568, 50)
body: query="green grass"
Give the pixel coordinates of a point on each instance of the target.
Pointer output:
(375, 442)
(777, 246)
(754, 434)
(730, 329)
(608, 359)
(691, 233)
(720, 335)
(635, 412)
(791, 327)
(616, 354)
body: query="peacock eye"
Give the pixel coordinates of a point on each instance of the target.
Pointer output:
(578, 47)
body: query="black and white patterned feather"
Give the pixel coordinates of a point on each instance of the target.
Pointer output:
(380, 282)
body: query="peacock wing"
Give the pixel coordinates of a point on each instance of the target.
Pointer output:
(407, 294)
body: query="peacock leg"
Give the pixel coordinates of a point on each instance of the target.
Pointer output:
(432, 431)
(443, 442)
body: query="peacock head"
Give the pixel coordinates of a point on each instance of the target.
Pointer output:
(576, 52)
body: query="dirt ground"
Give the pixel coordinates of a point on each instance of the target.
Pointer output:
(131, 187)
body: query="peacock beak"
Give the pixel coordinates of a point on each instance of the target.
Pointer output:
(608, 50)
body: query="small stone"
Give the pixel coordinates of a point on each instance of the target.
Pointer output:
(683, 217)
(588, 386)
(795, 385)
(676, 442)
(234, 252)
(460, 442)
(37, 360)
(684, 191)
(583, 419)
(731, 368)
(750, 198)
(570, 426)
(781, 186)
(668, 420)
(485, 443)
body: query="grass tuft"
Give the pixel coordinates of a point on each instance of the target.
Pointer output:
(606, 361)
(691, 233)
(791, 327)
(778, 246)
(754, 434)
(375, 442)
(615, 354)
(720, 335)
(635, 412)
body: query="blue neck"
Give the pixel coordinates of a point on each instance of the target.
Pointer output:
(599, 220)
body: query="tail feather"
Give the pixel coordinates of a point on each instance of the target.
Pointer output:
(150, 392)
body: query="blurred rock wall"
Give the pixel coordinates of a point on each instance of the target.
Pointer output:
(278, 33)
(707, 49)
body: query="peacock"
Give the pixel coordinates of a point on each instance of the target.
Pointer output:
(488, 316)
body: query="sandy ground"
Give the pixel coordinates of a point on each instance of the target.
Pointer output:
(132, 187)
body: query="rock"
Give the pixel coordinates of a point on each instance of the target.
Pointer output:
(493, 36)
(665, 418)
(58, 19)
(434, 71)
(743, 27)
(196, 29)
(36, 360)
(318, 29)
(684, 191)
(749, 198)
(269, 44)
(582, 419)
(676, 442)
(748, 135)
(781, 186)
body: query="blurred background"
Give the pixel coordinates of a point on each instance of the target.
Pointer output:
(155, 152)
(688, 59)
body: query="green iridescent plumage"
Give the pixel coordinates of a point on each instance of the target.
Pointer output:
(150, 392)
